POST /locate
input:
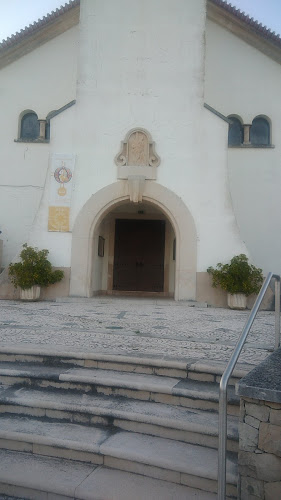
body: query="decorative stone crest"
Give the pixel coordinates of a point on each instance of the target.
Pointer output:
(138, 150)
(137, 155)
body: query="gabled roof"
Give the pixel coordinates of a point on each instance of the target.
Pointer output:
(252, 24)
(60, 20)
(40, 32)
(245, 27)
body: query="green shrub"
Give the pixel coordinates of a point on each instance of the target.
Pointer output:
(237, 277)
(34, 269)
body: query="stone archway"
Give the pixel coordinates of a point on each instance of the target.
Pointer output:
(100, 205)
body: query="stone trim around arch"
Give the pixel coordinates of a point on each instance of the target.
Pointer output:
(101, 203)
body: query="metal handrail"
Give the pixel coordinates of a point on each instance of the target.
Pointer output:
(229, 369)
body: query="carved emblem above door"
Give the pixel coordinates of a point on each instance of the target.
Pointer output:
(137, 155)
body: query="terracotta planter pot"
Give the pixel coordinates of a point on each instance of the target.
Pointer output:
(237, 301)
(31, 294)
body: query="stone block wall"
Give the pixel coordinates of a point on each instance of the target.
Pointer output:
(259, 458)
(260, 450)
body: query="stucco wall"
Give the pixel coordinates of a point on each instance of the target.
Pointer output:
(42, 81)
(241, 80)
(58, 243)
(142, 64)
(208, 191)
(152, 76)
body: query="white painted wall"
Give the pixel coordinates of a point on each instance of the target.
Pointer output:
(58, 244)
(142, 64)
(43, 80)
(241, 80)
(218, 234)
(1, 252)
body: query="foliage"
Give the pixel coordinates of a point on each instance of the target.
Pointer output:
(34, 269)
(238, 276)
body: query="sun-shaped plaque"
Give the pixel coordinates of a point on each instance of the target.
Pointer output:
(62, 175)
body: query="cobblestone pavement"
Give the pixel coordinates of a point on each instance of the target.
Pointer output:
(135, 327)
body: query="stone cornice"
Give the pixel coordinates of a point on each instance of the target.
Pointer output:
(39, 33)
(245, 28)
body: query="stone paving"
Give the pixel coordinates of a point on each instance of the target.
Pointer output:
(136, 327)
(5, 497)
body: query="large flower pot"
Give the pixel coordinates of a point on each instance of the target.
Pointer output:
(237, 301)
(32, 293)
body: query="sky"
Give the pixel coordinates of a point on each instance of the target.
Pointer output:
(17, 14)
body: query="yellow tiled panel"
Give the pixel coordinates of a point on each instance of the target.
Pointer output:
(58, 219)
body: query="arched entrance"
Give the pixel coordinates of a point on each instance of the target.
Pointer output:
(133, 251)
(101, 261)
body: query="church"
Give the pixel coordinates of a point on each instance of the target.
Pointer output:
(141, 144)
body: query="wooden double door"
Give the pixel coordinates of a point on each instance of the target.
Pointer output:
(139, 255)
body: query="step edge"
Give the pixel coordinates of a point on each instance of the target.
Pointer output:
(193, 396)
(130, 385)
(184, 426)
(188, 365)
(83, 355)
(131, 457)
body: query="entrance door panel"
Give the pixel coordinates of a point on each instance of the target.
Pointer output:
(139, 255)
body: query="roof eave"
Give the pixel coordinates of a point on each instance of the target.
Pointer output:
(45, 31)
(65, 18)
(244, 30)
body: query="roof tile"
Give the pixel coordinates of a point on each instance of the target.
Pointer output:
(258, 27)
(37, 25)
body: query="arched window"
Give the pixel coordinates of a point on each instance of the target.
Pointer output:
(235, 132)
(29, 128)
(260, 132)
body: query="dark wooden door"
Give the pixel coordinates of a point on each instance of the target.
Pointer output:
(139, 255)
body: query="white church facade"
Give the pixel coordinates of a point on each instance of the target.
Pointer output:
(141, 144)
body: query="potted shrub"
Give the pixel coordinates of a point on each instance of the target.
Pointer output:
(33, 272)
(239, 278)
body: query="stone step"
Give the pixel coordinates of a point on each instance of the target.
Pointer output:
(157, 419)
(170, 390)
(151, 418)
(5, 497)
(159, 458)
(44, 478)
(203, 371)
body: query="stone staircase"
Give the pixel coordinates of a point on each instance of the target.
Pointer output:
(111, 428)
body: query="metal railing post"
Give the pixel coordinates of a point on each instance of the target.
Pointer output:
(222, 442)
(277, 312)
(227, 374)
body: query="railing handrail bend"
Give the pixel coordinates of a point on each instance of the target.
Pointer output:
(229, 369)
